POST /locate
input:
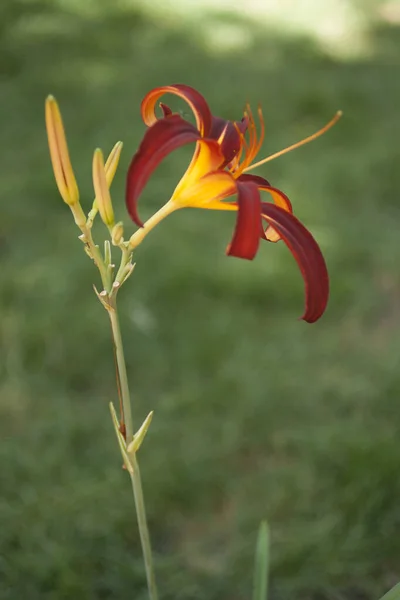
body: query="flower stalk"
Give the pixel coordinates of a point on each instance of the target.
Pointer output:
(134, 471)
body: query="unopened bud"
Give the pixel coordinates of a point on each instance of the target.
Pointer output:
(103, 198)
(117, 233)
(112, 162)
(110, 169)
(59, 154)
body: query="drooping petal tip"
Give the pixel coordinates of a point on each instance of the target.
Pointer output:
(308, 256)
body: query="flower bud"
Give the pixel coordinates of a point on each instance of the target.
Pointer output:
(103, 198)
(117, 233)
(112, 162)
(59, 154)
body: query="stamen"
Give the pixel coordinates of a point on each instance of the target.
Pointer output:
(245, 144)
(249, 144)
(262, 131)
(252, 134)
(236, 159)
(310, 138)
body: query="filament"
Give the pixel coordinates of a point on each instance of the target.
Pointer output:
(310, 138)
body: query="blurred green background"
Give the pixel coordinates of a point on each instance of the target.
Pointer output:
(257, 414)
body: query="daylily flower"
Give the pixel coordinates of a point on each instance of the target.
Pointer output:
(224, 152)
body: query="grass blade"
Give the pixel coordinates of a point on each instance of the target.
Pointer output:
(393, 594)
(261, 567)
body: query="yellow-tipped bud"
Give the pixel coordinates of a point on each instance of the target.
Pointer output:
(103, 198)
(112, 162)
(110, 168)
(117, 233)
(59, 154)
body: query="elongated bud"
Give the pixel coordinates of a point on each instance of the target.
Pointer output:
(59, 154)
(112, 162)
(117, 233)
(110, 168)
(103, 198)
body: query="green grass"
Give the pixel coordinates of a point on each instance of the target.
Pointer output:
(257, 415)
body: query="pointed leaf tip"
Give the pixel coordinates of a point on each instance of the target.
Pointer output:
(261, 568)
(140, 434)
(121, 440)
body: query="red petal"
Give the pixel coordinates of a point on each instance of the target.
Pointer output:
(308, 256)
(260, 181)
(196, 101)
(246, 238)
(279, 198)
(167, 112)
(243, 124)
(228, 137)
(159, 140)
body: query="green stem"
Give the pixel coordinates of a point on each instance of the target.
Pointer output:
(141, 233)
(135, 476)
(97, 257)
(125, 260)
(80, 220)
(122, 375)
(143, 529)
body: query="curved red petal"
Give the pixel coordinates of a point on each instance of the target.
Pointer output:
(227, 136)
(260, 181)
(279, 198)
(196, 101)
(159, 140)
(246, 238)
(308, 256)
